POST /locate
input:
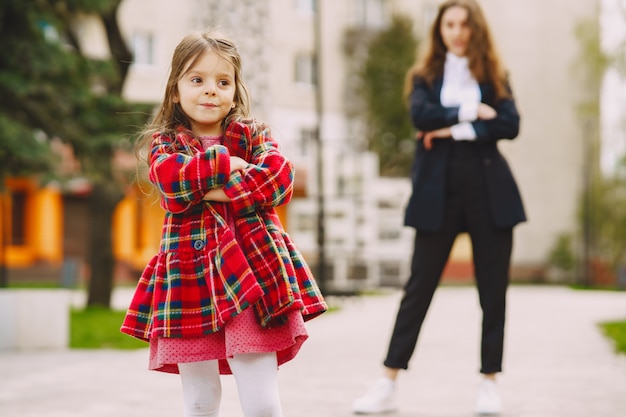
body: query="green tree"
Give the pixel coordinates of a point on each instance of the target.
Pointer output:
(602, 210)
(51, 88)
(390, 53)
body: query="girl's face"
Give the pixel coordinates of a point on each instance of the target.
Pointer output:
(455, 30)
(206, 93)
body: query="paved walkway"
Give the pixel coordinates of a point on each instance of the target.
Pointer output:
(557, 363)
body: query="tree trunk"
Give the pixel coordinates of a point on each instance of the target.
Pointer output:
(120, 51)
(105, 194)
(102, 204)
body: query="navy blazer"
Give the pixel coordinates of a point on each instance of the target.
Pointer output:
(426, 206)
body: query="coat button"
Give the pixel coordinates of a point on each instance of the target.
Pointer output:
(198, 244)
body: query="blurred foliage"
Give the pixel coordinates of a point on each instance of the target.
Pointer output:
(562, 253)
(52, 88)
(602, 210)
(591, 64)
(608, 217)
(589, 68)
(390, 53)
(23, 150)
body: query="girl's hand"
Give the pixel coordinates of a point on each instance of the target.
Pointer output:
(254, 125)
(236, 163)
(216, 194)
(428, 137)
(486, 112)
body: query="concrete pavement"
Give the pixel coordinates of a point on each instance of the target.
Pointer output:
(557, 363)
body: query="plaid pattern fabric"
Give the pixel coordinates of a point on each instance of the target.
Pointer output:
(184, 172)
(202, 276)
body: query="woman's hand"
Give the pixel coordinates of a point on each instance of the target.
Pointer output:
(216, 194)
(486, 112)
(428, 137)
(236, 163)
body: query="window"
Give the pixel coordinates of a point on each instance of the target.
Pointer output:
(306, 6)
(306, 141)
(305, 222)
(389, 272)
(306, 69)
(143, 48)
(389, 234)
(18, 218)
(370, 13)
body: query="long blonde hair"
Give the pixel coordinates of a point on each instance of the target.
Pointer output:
(170, 115)
(484, 62)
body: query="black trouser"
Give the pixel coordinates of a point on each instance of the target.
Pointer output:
(466, 210)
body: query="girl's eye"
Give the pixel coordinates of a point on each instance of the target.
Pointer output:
(224, 83)
(196, 80)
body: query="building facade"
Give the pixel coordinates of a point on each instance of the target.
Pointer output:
(281, 46)
(363, 210)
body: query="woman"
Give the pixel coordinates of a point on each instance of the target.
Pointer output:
(461, 104)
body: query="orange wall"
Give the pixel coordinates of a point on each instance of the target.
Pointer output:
(137, 226)
(43, 224)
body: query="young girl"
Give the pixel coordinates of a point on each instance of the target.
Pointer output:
(228, 291)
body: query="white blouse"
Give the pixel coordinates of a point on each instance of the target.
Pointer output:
(460, 89)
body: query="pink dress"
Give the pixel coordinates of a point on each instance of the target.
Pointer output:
(242, 334)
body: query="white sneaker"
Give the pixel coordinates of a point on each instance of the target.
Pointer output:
(379, 399)
(488, 401)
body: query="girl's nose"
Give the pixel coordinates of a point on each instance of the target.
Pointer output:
(210, 90)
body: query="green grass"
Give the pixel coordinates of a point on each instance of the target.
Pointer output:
(34, 285)
(616, 330)
(98, 328)
(594, 288)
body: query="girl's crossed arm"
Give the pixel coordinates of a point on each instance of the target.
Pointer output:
(183, 180)
(218, 194)
(266, 182)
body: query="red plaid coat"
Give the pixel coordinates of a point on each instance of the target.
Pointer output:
(203, 275)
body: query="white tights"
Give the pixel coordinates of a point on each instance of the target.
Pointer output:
(256, 375)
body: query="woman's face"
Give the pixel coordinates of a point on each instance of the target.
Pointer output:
(455, 30)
